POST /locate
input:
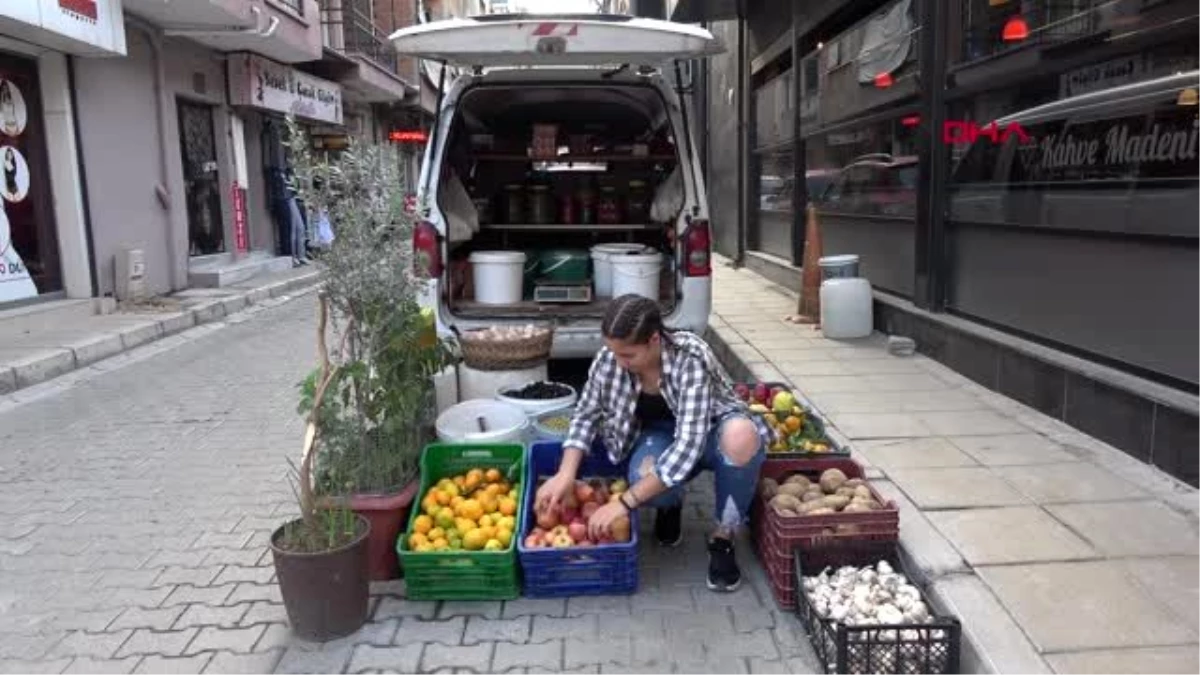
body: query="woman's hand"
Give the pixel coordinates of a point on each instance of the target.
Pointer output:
(552, 493)
(600, 524)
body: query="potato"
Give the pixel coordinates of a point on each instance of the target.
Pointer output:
(836, 502)
(831, 480)
(806, 507)
(856, 507)
(799, 479)
(814, 493)
(823, 511)
(768, 488)
(785, 501)
(845, 491)
(854, 482)
(794, 489)
(861, 492)
(783, 511)
(870, 503)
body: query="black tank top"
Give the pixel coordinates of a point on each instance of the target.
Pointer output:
(653, 408)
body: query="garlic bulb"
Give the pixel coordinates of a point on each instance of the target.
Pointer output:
(874, 595)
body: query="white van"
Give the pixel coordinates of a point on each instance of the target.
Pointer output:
(556, 133)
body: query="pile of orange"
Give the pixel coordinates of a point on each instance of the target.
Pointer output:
(475, 511)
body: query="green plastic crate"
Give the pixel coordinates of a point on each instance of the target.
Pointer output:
(464, 575)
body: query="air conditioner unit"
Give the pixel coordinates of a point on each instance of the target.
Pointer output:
(130, 267)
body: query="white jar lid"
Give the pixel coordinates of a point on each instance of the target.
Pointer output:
(500, 257)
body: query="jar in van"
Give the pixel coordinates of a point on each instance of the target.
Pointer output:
(585, 204)
(541, 205)
(637, 204)
(608, 208)
(514, 204)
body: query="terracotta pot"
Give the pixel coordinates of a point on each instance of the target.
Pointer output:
(326, 593)
(387, 514)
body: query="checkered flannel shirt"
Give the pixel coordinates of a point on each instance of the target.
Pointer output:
(694, 386)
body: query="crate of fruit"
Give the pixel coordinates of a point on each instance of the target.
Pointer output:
(815, 504)
(461, 538)
(799, 433)
(864, 615)
(557, 556)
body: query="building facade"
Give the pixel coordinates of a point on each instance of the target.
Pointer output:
(1018, 177)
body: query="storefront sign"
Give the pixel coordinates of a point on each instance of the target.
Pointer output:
(966, 132)
(97, 24)
(1100, 76)
(407, 136)
(239, 219)
(261, 83)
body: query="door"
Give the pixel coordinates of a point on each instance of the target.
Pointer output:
(201, 179)
(555, 40)
(29, 260)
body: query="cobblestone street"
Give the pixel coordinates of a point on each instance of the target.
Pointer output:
(138, 496)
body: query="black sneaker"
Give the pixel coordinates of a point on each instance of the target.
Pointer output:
(723, 573)
(668, 526)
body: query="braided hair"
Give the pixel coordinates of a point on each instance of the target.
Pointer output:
(633, 318)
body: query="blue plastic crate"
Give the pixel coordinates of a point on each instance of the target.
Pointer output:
(608, 569)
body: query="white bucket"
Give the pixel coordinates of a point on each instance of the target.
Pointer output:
(637, 273)
(460, 423)
(474, 383)
(535, 407)
(498, 276)
(838, 266)
(846, 308)
(602, 255)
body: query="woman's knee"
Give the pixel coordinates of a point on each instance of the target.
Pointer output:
(740, 442)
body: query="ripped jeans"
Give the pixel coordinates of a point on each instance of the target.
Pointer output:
(734, 485)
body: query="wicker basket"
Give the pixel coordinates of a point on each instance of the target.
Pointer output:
(510, 354)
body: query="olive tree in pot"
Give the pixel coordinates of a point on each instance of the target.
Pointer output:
(379, 408)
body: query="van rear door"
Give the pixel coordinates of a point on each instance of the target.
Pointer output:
(555, 40)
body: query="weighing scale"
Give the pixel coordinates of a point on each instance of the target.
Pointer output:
(550, 291)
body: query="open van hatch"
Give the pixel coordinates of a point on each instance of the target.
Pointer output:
(555, 40)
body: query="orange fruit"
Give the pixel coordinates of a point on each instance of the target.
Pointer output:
(508, 522)
(493, 545)
(492, 475)
(792, 423)
(464, 525)
(473, 479)
(440, 544)
(504, 536)
(442, 497)
(422, 524)
(423, 547)
(474, 540)
(485, 520)
(470, 509)
(444, 518)
(435, 533)
(456, 500)
(508, 506)
(415, 540)
(489, 531)
(430, 506)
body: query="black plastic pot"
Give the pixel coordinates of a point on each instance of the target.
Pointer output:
(326, 594)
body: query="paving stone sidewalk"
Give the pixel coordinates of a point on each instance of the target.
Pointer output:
(36, 345)
(1058, 552)
(136, 501)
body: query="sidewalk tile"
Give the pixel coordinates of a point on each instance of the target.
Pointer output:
(1083, 605)
(1071, 482)
(1173, 580)
(1143, 528)
(1149, 660)
(1042, 538)
(1012, 449)
(950, 488)
(999, 644)
(880, 425)
(970, 423)
(913, 453)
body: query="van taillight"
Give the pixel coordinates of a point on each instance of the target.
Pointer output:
(427, 253)
(697, 244)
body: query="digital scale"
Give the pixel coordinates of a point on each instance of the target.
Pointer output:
(562, 291)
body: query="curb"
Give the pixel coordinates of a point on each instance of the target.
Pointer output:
(53, 362)
(948, 581)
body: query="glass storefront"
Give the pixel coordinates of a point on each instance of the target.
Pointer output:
(773, 165)
(29, 260)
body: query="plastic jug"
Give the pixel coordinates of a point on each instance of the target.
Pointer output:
(846, 308)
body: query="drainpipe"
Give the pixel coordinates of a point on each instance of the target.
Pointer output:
(162, 190)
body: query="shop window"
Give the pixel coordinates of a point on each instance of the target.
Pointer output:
(773, 163)
(985, 23)
(1122, 159)
(869, 170)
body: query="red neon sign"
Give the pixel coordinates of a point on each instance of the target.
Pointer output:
(958, 132)
(406, 136)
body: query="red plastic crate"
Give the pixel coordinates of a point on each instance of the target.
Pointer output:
(776, 537)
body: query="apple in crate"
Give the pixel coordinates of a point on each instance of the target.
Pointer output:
(584, 492)
(742, 391)
(761, 393)
(562, 540)
(578, 531)
(547, 519)
(589, 509)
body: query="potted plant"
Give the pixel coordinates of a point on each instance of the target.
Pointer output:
(321, 557)
(379, 408)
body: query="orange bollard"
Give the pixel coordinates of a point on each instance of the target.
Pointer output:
(809, 310)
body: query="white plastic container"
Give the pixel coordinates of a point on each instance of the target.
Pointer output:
(533, 408)
(602, 255)
(846, 308)
(445, 387)
(498, 276)
(504, 423)
(473, 383)
(637, 273)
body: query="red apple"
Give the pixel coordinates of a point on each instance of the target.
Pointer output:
(584, 492)
(742, 391)
(577, 530)
(547, 519)
(775, 391)
(588, 509)
(534, 540)
(568, 515)
(761, 393)
(569, 501)
(562, 541)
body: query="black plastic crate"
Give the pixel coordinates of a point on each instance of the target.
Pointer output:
(932, 647)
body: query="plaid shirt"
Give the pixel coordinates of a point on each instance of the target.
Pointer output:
(694, 386)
